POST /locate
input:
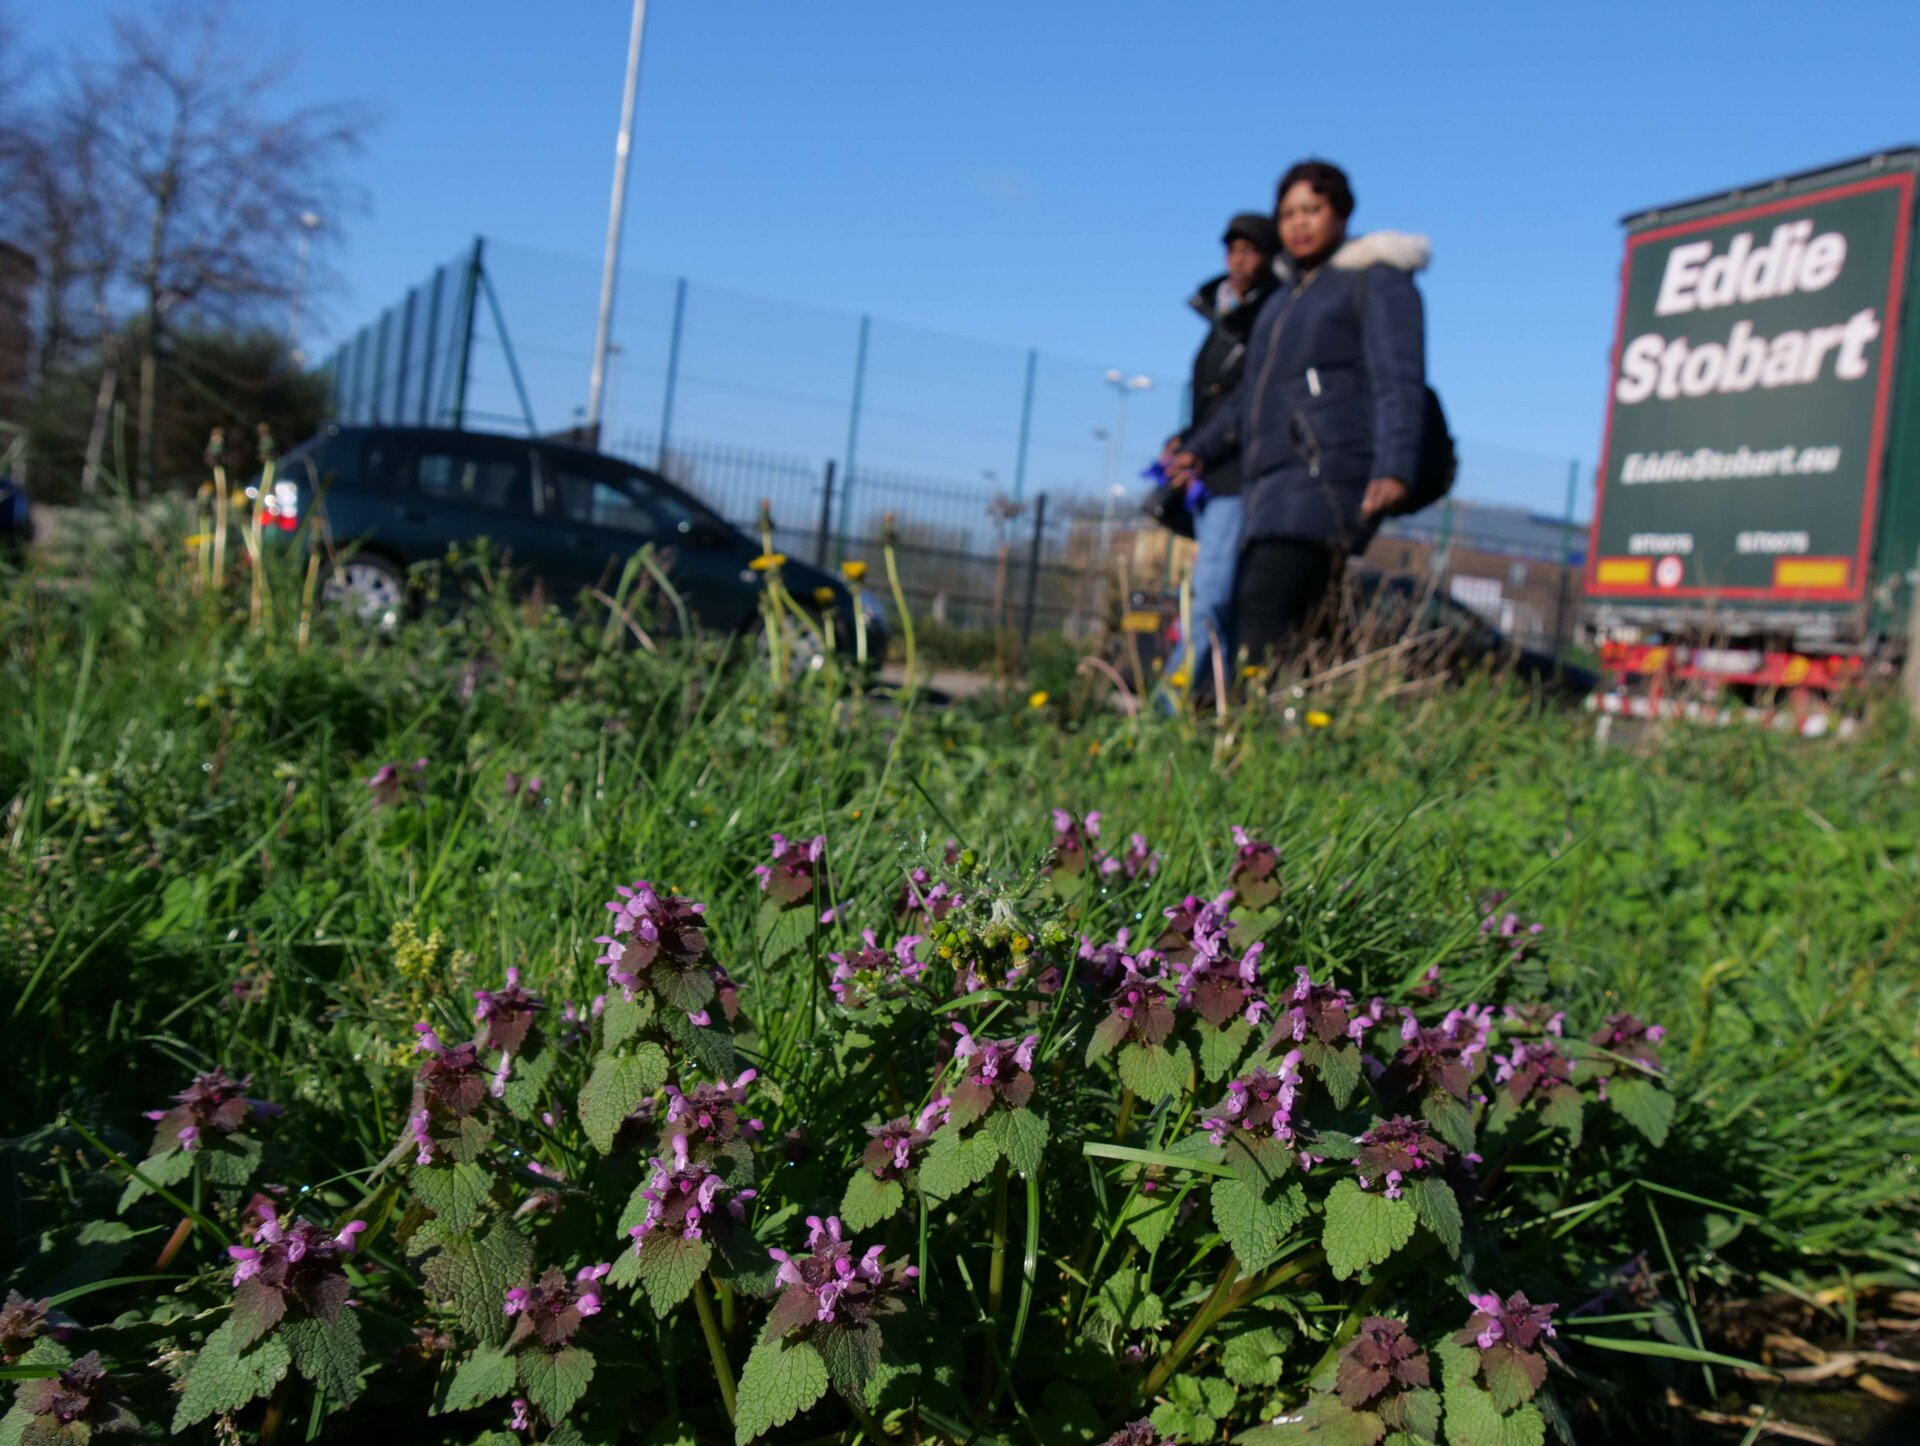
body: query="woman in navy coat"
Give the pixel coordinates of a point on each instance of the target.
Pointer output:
(1327, 419)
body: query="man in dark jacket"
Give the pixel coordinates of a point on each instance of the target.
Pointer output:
(1228, 304)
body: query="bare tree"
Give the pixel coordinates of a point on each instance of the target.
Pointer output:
(197, 161)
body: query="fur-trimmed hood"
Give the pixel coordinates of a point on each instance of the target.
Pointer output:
(1402, 250)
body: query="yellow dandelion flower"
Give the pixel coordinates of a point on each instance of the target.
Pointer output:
(853, 569)
(768, 561)
(1178, 680)
(1093, 748)
(1250, 670)
(1037, 698)
(1317, 719)
(823, 596)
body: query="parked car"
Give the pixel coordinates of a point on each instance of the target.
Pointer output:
(565, 517)
(1380, 610)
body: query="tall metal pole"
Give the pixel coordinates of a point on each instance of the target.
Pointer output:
(1026, 428)
(617, 214)
(673, 374)
(853, 433)
(1566, 559)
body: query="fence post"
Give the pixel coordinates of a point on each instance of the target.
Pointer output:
(406, 355)
(380, 368)
(1026, 427)
(826, 517)
(853, 432)
(1566, 555)
(469, 304)
(1033, 575)
(433, 344)
(673, 371)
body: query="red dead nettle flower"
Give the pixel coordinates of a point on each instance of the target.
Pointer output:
(554, 1308)
(1507, 931)
(23, 1321)
(1395, 1150)
(1261, 1104)
(789, 879)
(897, 1145)
(508, 1015)
(829, 1287)
(650, 931)
(683, 1200)
(450, 1086)
(1217, 986)
(213, 1105)
(1140, 1010)
(390, 786)
(1533, 1065)
(1135, 861)
(991, 1071)
(1192, 923)
(1070, 839)
(1256, 864)
(1378, 1364)
(1138, 1433)
(290, 1260)
(524, 792)
(709, 1118)
(1326, 1013)
(1105, 963)
(920, 895)
(1511, 1336)
(1625, 1035)
(1445, 1057)
(1535, 1019)
(80, 1396)
(870, 973)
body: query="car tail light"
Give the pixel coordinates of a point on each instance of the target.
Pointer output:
(281, 506)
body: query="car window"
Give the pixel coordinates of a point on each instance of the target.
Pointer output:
(597, 501)
(500, 480)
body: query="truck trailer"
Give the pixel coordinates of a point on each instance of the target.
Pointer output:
(1756, 521)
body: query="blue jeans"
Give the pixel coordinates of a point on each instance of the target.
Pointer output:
(1215, 568)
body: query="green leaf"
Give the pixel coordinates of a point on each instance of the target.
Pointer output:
(1363, 1229)
(452, 1192)
(1255, 1221)
(1154, 1072)
(1325, 1422)
(668, 1267)
(231, 1161)
(1644, 1105)
(1565, 1109)
(554, 1382)
(528, 1086)
(1220, 1049)
(1472, 1418)
(711, 1045)
(1451, 1120)
(1414, 1416)
(1339, 1068)
(869, 1200)
(327, 1355)
(1438, 1208)
(1124, 1300)
(785, 931)
(618, 1085)
(472, 1275)
(779, 1382)
(953, 1164)
(223, 1378)
(1194, 1408)
(1252, 1358)
(486, 1375)
(1151, 1216)
(622, 1019)
(851, 1354)
(163, 1170)
(1192, 1153)
(1020, 1136)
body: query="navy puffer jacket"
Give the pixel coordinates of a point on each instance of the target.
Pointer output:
(1333, 395)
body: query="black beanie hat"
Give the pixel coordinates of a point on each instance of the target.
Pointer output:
(1255, 228)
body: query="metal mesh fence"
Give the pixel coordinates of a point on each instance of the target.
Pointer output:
(746, 398)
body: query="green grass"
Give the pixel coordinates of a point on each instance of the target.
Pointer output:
(192, 874)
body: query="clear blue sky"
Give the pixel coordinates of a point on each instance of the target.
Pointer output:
(1057, 174)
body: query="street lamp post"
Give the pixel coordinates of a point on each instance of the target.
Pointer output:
(1124, 386)
(309, 223)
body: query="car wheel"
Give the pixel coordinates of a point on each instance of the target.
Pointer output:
(371, 588)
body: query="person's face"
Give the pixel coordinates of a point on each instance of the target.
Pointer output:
(1245, 262)
(1309, 226)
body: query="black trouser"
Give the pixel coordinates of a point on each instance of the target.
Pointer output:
(1282, 582)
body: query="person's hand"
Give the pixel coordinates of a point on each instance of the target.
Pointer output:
(1384, 494)
(1182, 468)
(1170, 450)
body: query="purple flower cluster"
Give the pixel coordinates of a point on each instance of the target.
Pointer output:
(80, 1396)
(1531, 1065)
(828, 1286)
(1324, 1013)
(450, 1085)
(1139, 1009)
(1261, 1103)
(650, 930)
(1138, 1433)
(790, 878)
(1256, 864)
(870, 973)
(389, 786)
(213, 1105)
(1625, 1035)
(553, 1308)
(290, 1259)
(896, 1146)
(1444, 1057)
(1217, 986)
(1105, 964)
(576, 1024)
(1135, 861)
(24, 1321)
(991, 1071)
(684, 1199)
(1193, 924)
(525, 792)
(1071, 837)
(507, 1013)
(1507, 931)
(1382, 1360)
(1511, 1336)
(920, 895)
(709, 1118)
(1395, 1150)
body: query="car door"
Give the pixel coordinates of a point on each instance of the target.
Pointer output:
(455, 488)
(604, 511)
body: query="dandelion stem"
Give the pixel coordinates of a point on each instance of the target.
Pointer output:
(900, 605)
(997, 1265)
(1126, 1117)
(716, 1347)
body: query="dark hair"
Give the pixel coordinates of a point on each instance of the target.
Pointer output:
(1325, 178)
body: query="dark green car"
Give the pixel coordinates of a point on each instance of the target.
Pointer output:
(564, 517)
